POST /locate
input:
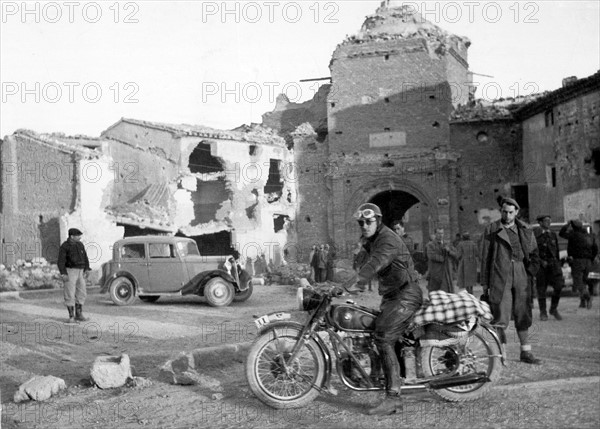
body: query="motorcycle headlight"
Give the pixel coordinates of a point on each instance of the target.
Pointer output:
(307, 299)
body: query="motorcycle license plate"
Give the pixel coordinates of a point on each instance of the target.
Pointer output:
(268, 318)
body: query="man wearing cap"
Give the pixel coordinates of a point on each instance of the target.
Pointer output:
(550, 272)
(509, 263)
(73, 264)
(388, 259)
(582, 249)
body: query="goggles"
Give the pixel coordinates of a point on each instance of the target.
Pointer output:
(365, 214)
(367, 221)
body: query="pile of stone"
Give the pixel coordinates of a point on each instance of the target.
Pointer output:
(29, 275)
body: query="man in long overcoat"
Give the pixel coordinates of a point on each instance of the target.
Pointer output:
(440, 261)
(509, 263)
(468, 256)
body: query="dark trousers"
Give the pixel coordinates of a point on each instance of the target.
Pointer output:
(580, 269)
(550, 275)
(391, 323)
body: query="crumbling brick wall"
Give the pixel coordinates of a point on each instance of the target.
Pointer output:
(490, 162)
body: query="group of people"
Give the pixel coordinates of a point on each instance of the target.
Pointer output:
(321, 259)
(512, 260)
(447, 262)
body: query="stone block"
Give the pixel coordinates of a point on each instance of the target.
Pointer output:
(39, 388)
(111, 371)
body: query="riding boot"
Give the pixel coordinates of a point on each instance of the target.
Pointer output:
(71, 311)
(543, 314)
(79, 313)
(391, 368)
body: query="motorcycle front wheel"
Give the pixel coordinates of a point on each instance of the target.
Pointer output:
(279, 382)
(478, 354)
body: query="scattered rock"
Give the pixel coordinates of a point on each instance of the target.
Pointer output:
(182, 370)
(39, 388)
(217, 396)
(140, 382)
(111, 371)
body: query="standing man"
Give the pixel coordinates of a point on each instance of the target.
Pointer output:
(398, 227)
(509, 263)
(550, 272)
(73, 264)
(468, 256)
(440, 262)
(389, 260)
(582, 248)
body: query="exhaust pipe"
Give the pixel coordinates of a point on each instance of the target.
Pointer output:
(459, 380)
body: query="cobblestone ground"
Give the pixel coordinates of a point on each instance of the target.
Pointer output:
(562, 392)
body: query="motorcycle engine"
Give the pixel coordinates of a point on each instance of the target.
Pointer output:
(363, 349)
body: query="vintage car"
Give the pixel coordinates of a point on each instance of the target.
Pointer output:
(151, 266)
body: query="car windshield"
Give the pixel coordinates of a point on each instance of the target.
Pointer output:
(187, 248)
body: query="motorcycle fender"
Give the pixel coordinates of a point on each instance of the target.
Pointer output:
(298, 327)
(494, 335)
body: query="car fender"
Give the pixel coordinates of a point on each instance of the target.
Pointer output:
(108, 280)
(196, 284)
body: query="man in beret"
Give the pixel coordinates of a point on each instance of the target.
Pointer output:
(550, 272)
(73, 264)
(509, 263)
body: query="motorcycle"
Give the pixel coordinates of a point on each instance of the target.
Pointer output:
(290, 363)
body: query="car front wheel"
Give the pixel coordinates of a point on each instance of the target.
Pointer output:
(219, 292)
(122, 291)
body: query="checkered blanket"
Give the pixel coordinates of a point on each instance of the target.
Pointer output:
(446, 307)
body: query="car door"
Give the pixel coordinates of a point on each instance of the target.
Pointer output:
(134, 260)
(165, 268)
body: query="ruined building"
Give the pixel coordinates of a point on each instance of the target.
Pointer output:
(226, 189)
(398, 126)
(386, 134)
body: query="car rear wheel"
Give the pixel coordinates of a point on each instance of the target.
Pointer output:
(219, 292)
(122, 291)
(149, 298)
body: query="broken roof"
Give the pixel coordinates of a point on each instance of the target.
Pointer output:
(251, 134)
(149, 209)
(494, 110)
(567, 92)
(83, 145)
(404, 22)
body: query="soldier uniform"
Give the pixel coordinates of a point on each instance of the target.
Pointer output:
(550, 272)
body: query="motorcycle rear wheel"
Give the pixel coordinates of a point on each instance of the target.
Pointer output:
(480, 354)
(268, 380)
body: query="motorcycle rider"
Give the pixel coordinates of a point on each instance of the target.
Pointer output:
(389, 260)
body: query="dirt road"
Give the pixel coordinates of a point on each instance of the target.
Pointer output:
(560, 393)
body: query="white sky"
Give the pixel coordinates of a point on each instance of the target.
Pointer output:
(173, 60)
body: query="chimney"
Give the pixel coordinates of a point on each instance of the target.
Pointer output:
(569, 80)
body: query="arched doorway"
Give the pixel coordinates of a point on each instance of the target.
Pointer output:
(401, 205)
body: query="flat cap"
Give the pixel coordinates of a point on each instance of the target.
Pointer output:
(74, 231)
(510, 201)
(542, 217)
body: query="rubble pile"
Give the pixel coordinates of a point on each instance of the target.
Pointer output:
(29, 275)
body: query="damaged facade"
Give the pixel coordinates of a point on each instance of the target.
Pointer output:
(226, 189)
(399, 126)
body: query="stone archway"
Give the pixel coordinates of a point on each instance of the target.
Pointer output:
(395, 197)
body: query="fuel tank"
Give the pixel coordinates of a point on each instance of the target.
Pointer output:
(352, 318)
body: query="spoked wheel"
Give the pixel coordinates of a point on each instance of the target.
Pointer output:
(279, 381)
(477, 354)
